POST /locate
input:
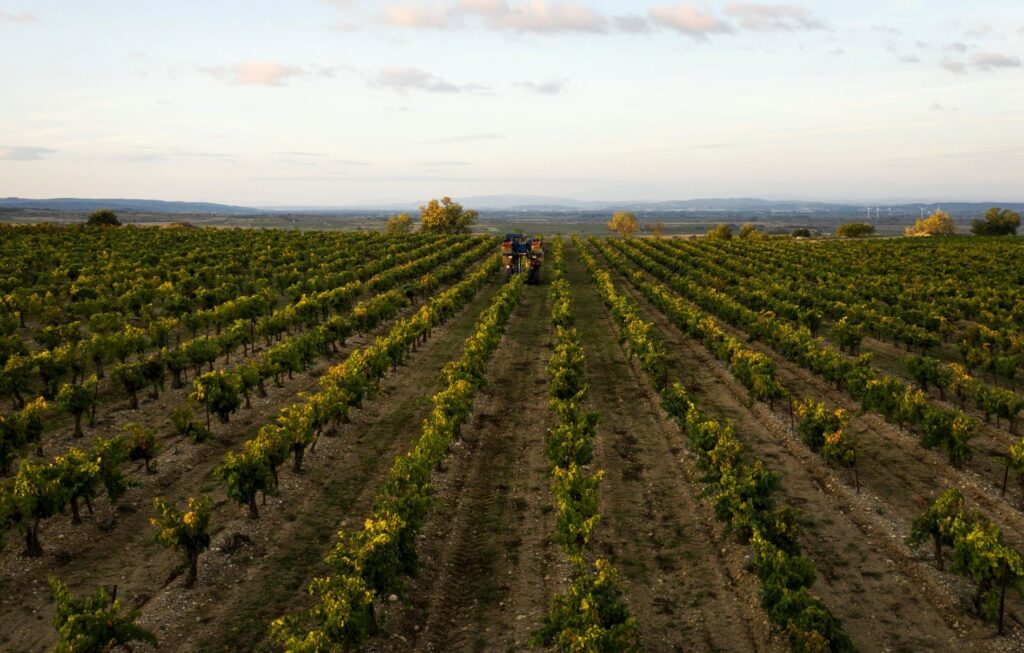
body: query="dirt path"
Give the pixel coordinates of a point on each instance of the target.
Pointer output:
(238, 592)
(885, 597)
(489, 567)
(684, 579)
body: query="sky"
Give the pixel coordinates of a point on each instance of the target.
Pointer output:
(346, 102)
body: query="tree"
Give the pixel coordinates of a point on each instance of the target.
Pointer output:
(658, 230)
(447, 217)
(720, 232)
(748, 232)
(997, 222)
(187, 532)
(36, 494)
(624, 223)
(801, 232)
(96, 623)
(399, 224)
(77, 398)
(103, 218)
(245, 474)
(855, 230)
(142, 444)
(935, 522)
(937, 224)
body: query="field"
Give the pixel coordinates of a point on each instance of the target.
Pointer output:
(667, 445)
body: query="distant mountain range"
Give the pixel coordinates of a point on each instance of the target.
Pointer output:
(125, 205)
(510, 203)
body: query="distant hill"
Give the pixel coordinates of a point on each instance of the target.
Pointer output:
(534, 203)
(124, 205)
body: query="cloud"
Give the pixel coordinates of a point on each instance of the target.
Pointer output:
(688, 20)
(8, 17)
(534, 16)
(885, 29)
(539, 16)
(437, 164)
(954, 66)
(24, 153)
(632, 24)
(257, 73)
(910, 58)
(416, 16)
(773, 18)
(415, 79)
(956, 47)
(988, 61)
(550, 87)
(462, 138)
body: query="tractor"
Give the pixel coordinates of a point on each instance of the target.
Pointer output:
(520, 254)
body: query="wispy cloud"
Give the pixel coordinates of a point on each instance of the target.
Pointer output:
(533, 16)
(254, 73)
(415, 79)
(416, 16)
(462, 138)
(954, 66)
(688, 20)
(632, 24)
(24, 153)
(549, 87)
(445, 164)
(9, 17)
(988, 61)
(773, 18)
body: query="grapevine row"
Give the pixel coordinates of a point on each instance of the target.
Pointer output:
(369, 563)
(591, 615)
(741, 493)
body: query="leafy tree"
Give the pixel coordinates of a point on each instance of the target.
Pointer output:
(937, 224)
(399, 224)
(245, 474)
(77, 398)
(37, 494)
(218, 393)
(446, 216)
(658, 229)
(935, 523)
(185, 424)
(997, 222)
(721, 232)
(855, 230)
(748, 232)
(109, 454)
(623, 223)
(103, 218)
(801, 232)
(188, 532)
(130, 378)
(93, 624)
(142, 444)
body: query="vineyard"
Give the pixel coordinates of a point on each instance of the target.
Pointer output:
(262, 440)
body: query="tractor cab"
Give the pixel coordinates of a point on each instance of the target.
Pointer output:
(522, 254)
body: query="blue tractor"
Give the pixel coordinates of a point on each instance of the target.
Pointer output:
(522, 254)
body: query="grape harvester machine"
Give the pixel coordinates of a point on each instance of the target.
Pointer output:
(522, 254)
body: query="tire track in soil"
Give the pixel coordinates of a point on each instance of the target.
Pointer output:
(239, 593)
(886, 599)
(684, 579)
(489, 565)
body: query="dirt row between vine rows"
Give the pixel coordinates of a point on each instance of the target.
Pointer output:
(685, 579)
(489, 566)
(255, 569)
(893, 465)
(886, 597)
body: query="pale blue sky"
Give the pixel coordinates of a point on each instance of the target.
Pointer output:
(329, 102)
